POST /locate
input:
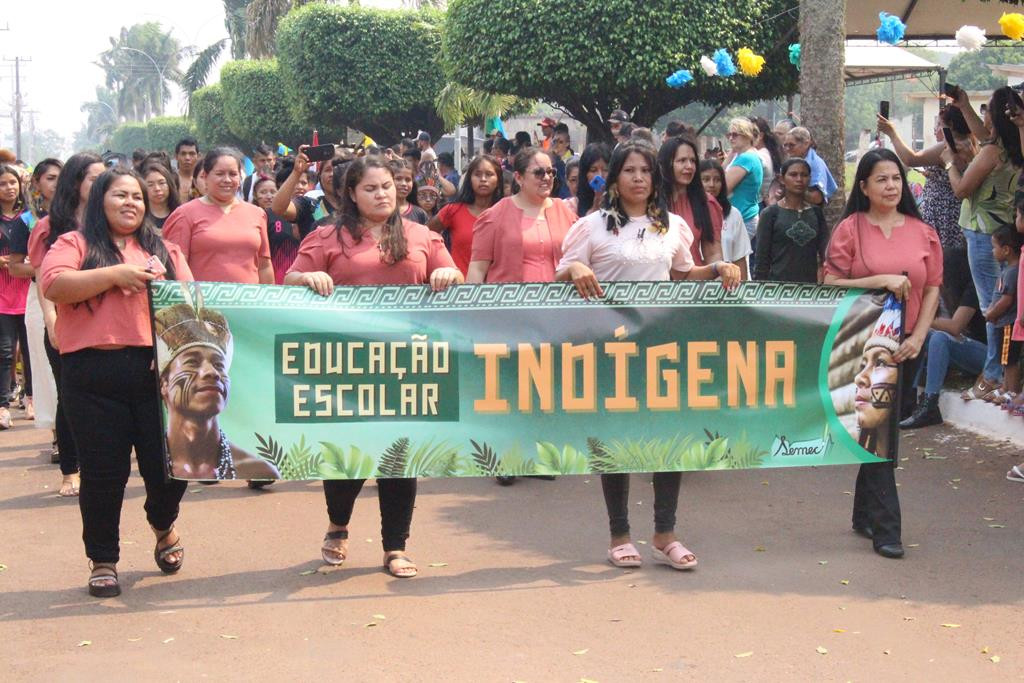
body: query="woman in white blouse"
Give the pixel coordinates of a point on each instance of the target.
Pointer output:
(634, 237)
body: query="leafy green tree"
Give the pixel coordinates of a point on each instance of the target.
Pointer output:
(163, 132)
(969, 70)
(374, 70)
(253, 106)
(103, 115)
(616, 53)
(140, 66)
(208, 113)
(128, 136)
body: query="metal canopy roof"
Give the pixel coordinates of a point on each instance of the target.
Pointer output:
(864, 62)
(929, 19)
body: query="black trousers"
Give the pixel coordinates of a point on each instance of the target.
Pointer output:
(876, 500)
(110, 399)
(65, 442)
(13, 335)
(666, 499)
(396, 498)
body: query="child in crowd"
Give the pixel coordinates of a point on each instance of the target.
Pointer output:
(735, 241)
(1006, 245)
(405, 186)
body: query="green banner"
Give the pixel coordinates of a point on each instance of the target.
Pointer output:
(515, 379)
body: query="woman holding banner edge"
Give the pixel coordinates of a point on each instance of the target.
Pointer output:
(880, 236)
(634, 237)
(370, 244)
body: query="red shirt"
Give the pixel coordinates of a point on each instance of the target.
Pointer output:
(37, 242)
(681, 207)
(349, 263)
(859, 249)
(459, 222)
(113, 319)
(220, 247)
(498, 237)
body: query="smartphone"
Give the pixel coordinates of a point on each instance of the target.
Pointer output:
(319, 152)
(950, 90)
(948, 134)
(155, 266)
(883, 108)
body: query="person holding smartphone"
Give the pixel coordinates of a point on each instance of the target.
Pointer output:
(308, 211)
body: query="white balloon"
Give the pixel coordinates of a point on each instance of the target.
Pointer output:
(970, 37)
(709, 66)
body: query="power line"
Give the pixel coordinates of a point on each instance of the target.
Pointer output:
(18, 103)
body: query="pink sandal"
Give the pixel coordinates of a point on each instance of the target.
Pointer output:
(617, 554)
(673, 555)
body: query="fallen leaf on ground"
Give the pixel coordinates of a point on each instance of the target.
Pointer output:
(848, 493)
(839, 630)
(951, 626)
(994, 659)
(984, 650)
(913, 545)
(307, 572)
(642, 542)
(845, 582)
(820, 650)
(581, 652)
(996, 526)
(195, 490)
(370, 625)
(885, 652)
(438, 564)
(743, 654)
(764, 483)
(225, 636)
(955, 481)
(632, 585)
(378, 616)
(83, 643)
(3, 567)
(134, 640)
(369, 540)
(615, 620)
(658, 670)
(759, 549)
(989, 519)
(823, 562)
(167, 640)
(908, 618)
(587, 680)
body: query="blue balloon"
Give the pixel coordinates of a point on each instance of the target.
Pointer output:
(723, 60)
(891, 29)
(679, 78)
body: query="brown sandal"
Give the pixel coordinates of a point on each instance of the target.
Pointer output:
(981, 390)
(397, 556)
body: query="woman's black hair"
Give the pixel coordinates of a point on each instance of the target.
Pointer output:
(19, 199)
(695, 193)
(953, 119)
(1005, 130)
(656, 211)
(210, 160)
(723, 192)
(45, 164)
(584, 192)
(1006, 235)
(466, 195)
(65, 200)
(172, 183)
(771, 141)
(261, 178)
(392, 239)
(858, 201)
(793, 161)
(100, 250)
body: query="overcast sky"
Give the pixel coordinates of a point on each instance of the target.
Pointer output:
(63, 38)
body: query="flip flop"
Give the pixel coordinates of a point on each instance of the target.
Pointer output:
(389, 558)
(616, 555)
(1016, 473)
(160, 555)
(673, 555)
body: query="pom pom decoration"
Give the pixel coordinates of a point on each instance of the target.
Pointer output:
(679, 78)
(1012, 25)
(794, 55)
(724, 62)
(710, 68)
(970, 37)
(891, 29)
(750, 63)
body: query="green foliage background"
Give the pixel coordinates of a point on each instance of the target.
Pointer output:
(128, 136)
(163, 132)
(374, 70)
(969, 70)
(208, 112)
(255, 108)
(616, 53)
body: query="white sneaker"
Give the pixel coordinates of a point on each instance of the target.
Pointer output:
(5, 418)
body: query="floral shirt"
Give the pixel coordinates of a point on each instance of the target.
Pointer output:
(941, 209)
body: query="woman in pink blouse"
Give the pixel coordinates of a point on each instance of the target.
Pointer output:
(371, 244)
(519, 239)
(882, 243)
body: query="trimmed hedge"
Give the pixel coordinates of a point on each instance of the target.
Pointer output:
(207, 107)
(375, 70)
(127, 137)
(164, 132)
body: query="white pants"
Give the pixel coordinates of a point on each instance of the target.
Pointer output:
(44, 391)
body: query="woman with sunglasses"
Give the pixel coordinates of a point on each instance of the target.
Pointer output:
(744, 173)
(635, 238)
(519, 239)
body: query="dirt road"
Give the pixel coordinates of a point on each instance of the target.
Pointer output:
(514, 587)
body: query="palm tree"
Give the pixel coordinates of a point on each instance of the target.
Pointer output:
(458, 105)
(140, 65)
(103, 115)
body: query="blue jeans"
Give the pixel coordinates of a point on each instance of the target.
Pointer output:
(985, 273)
(943, 348)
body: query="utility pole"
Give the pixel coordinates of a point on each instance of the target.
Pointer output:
(18, 104)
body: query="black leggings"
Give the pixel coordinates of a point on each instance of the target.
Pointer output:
(396, 497)
(13, 335)
(65, 443)
(666, 499)
(110, 398)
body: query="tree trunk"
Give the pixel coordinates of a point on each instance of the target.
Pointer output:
(822, 57)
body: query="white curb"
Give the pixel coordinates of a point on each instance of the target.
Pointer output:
(981, 418)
